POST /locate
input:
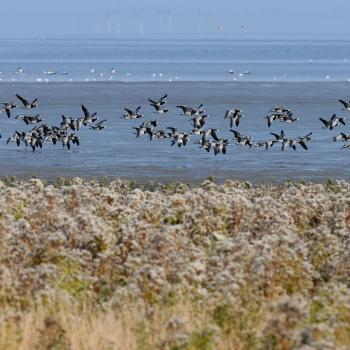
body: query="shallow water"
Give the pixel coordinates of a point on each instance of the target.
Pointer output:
(115, 151)
(182, 59)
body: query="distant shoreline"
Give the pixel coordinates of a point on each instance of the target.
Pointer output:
(177, 82)
(146, 183)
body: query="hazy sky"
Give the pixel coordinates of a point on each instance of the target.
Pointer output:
(42, 18)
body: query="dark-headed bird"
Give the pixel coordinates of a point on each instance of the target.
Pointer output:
(88, 117)
(333, 121)
(159, 102)
(234, 115)
(7, 107)
(26, 103)
(100, 125)
(160, 109)
(129, 114)
(28, 119)
(346, 105)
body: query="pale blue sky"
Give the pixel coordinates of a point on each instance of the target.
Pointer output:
(42, 18)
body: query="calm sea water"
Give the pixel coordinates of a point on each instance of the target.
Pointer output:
(183, 60)
(281, 73)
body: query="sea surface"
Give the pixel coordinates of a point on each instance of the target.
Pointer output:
(198, 59)
(309, 76)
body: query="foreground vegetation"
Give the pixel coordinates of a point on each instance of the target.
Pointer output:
(89, 265)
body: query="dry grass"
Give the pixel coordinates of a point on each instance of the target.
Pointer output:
(87, 265)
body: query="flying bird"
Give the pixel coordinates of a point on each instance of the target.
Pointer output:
(26, 103)
(333, 121)
(88, 117)
(129, 114)
(346, 105)
(7, 107)
(159, 102)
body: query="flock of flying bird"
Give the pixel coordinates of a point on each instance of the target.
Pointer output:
(207, 138)
(65, 133)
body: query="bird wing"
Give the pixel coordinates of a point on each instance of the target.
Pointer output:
(307, 136)
(213, 134)
(325, 122)
(23, 100)
(100, 123)
(129, 111)
(284, 145)
(270, 120)
(86, 112)
(236, 133)
(303, 144)
(149, 130)
(172, 129)
(345, 104)
(184, 108)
